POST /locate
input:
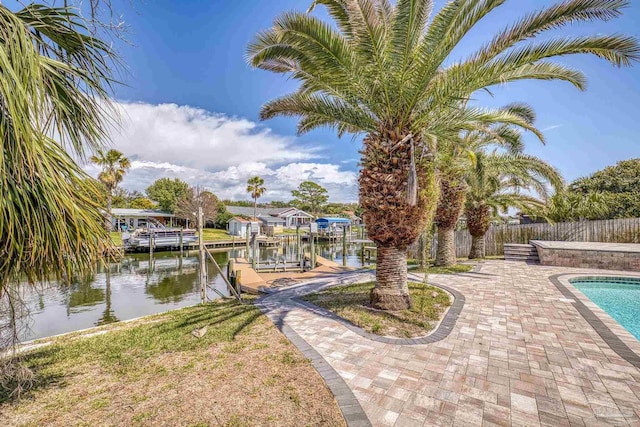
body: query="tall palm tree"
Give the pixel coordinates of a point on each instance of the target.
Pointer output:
(255, 186)
(385, 70)
(498, 182)
(114, 166)
(54, 80)
(454, 160)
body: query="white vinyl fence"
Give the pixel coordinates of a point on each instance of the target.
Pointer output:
(613, 230)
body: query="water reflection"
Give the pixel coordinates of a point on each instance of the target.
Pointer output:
(139, 285)
(83, 295)
(136, 286)
(108, 316)
(173, 288)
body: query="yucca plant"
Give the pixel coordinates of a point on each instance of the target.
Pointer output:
(499, 181)
(54, 104)
(385, 70)
(114, 166)
(454, 159)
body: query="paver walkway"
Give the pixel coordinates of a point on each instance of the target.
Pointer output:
(519, 354)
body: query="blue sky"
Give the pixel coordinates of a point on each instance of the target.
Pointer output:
(190, 53)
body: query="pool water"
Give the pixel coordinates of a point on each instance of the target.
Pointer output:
(619, 297)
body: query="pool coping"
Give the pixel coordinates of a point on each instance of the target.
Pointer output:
(620, 341)
(587, 246)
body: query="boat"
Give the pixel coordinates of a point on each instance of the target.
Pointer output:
(162, 238)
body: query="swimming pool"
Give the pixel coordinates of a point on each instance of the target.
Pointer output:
(618, 296)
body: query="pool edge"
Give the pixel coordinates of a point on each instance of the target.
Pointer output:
(610, 337)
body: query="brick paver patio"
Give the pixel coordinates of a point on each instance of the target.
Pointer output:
(519, 354)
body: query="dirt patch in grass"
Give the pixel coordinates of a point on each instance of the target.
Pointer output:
(242, 372)
(352, 303)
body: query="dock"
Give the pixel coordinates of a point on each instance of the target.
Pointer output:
(220, 244)
(238, 243)
(250, 280)
(254, 282)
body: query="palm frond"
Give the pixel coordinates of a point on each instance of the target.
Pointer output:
(446, 30)
(319, 110)
(556, 16)
(55, 79)
(410, 21)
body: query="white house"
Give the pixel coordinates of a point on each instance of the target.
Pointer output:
(291, 216)
(272, 221)
(238, 226)
(295, 216)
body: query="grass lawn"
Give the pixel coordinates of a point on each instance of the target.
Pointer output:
(454, 269)
(211, 234)
(352, 303)
(413, 268)
(242, 372)
(287, 231)
(116, 237)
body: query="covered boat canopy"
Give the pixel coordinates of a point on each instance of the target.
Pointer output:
(328, 221)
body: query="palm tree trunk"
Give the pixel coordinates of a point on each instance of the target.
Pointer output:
(478, 223)
(391, 291)
(255, 207)
(477, 247)
(446, 252)
(108, 224)
(450, 204)
(394, 220)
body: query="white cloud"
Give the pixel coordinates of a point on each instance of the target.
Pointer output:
(218, 152)
(231, 183)
(197, 138)
(552, 127)
(350, 161)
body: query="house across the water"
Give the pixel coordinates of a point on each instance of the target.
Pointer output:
(272, 221)
(131, 219)
(238, 226)
(276, 217)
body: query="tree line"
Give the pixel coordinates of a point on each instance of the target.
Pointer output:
(177, 197)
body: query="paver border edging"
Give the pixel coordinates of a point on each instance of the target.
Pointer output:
(441, 332)
(609, 337)
(349, 405)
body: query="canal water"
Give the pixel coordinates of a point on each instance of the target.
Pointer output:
(139, 285)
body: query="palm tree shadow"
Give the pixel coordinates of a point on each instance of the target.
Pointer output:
(37, 362)
(42, 361)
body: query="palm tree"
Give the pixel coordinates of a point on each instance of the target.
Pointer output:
(114, 165)
(498, 182)
(386, 70)
(255, 186)
(455, 159)
(54, 80)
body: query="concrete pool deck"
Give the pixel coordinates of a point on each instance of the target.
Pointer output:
(520, 353)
